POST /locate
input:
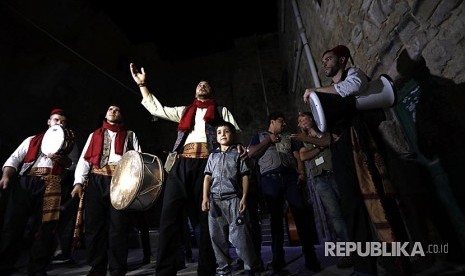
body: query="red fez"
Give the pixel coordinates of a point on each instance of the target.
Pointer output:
(58, 111)
(340, 51)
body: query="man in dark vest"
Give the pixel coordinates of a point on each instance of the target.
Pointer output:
(183, 189)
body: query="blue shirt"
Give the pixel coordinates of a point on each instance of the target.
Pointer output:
(226, 169)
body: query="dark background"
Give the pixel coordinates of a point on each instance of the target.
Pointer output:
(184, 29)
(56, 53)
(75, 55)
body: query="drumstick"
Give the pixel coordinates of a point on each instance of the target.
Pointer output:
(79, 224)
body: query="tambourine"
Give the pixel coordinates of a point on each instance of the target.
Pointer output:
(57, 140)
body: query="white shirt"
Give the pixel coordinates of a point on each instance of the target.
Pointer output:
(17, 157)
(83, 166)
(354, 84)
(198, 134)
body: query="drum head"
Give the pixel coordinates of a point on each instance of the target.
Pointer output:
(137, 181)
(53, 140)
(126, 180)
(317, 112)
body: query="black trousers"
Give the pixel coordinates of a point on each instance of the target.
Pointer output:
(279, 187)
(68, 210)
(141, 222)
(352, 204)
(25, 204)
(106, 229)
(183, 191)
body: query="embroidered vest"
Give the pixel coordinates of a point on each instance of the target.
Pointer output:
(210, 131)
(128, 145)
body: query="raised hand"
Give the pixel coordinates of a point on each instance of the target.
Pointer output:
(138, 76)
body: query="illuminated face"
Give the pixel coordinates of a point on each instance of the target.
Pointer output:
(305, 122)
(278, 125)
(56, 119)
(224, 136)
(113, 115)
(331, 64)
(203, 91)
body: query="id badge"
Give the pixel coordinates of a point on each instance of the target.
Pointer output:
(319, 161)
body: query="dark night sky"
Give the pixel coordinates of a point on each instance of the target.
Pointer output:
(180, 29)
(204, 26)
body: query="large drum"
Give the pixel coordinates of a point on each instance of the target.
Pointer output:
(328, 109)
(136, 182)
(57, 140)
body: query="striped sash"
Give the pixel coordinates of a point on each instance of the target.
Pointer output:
(374, 183)
(195, 150)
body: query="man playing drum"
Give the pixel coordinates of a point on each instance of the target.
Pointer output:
(102, 152)
(196, 139)
(36, 193)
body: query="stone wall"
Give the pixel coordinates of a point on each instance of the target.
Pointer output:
(421, 45)
(376, 32)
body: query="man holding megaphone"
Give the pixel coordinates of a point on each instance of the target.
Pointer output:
(359, 169)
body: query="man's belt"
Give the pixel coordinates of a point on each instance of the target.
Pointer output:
(275, 174)
(195, 150)
(39, 171)
(107, 170)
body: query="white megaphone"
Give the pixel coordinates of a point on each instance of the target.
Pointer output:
(328, 109)
(381, 93)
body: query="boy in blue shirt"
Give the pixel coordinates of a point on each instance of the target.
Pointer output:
(225, 189)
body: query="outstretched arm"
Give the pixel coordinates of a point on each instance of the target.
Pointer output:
(150, 102)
